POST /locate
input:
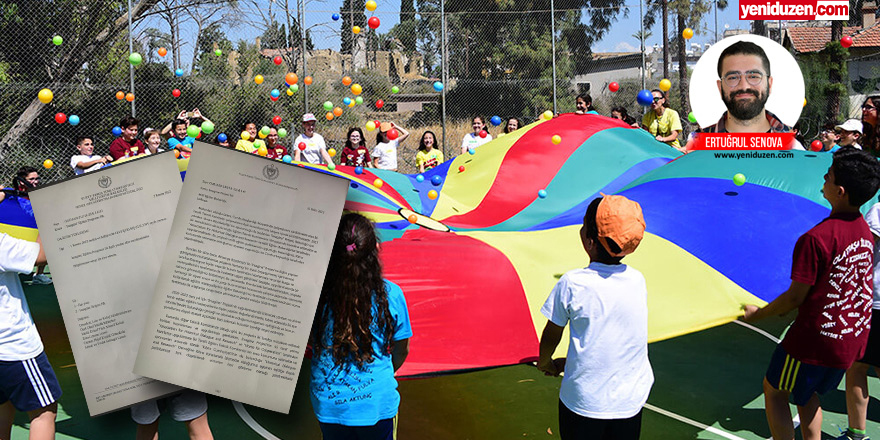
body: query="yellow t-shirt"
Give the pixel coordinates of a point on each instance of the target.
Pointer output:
(664, 125)
(248, 146)
(430, 159)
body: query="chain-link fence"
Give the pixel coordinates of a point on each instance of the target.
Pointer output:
(227, 59)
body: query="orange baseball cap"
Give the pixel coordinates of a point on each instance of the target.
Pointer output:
(620, 220)
(385, 126)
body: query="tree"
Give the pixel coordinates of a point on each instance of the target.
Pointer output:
(352, 12)
(405, 31)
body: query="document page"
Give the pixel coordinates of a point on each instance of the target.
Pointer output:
(104, 234)
(241, 277)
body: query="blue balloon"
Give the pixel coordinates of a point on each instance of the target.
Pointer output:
(335, 17)
(496, 120)
(73, 119)
(359, 170)
(472, 151)
(221, 137)
(436, 180)
(287, 159)
(346, 100)
(117, 131)
(438, 86)
(420, 178)
(542, 194)
(645, 98)
(178, 72)
(275, 93)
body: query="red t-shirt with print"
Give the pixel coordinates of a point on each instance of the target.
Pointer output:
(277, 152)
(355, 157)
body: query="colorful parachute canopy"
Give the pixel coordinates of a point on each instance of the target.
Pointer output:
(17, 218)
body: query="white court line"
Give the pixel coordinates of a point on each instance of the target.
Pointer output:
(695, 423)
(239, 408)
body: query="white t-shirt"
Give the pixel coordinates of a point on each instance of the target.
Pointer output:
(83, 158)
(314, 145)
(607, 373)
(386, 155)
(473, 141)
(19, 339)
(873, 219)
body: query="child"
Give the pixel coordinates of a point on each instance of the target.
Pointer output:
(360, 337)
(27, 382)
(428, 157)
(180, 141)
(607, 373)
(474, 140)
(190, 407)
(85, 161)
(128, 144)
(385, 152)
(250, 144)
(274, 150)
(584, 105)
(831, 288)
(849, 133)
(512, 125)
(152, 141)
(355, 153)
(310, 146)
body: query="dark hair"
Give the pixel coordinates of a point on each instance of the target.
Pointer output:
(244, 126)
(507, 124)
(422, 145)
(351, 130)
(128, 121)
(586, 98)
(858, 172)
(871, 132)
(482, 120)
(81, 139)
(20, 182)
(592, 232)
(744, 48)
(176, 122)
(624, 115)
(800, 134)
(381, 136)
(352, 292)
(663, 94)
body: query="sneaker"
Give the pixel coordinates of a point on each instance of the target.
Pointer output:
(846, 436)
(41, 279)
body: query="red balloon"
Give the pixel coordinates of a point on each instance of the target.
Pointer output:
(393, 134)
(301, 146)
(377, 123)
(273, 98)
(175, 93)
(60, 118)
(380, 103)
(816, 145)
(483, 133)
(846, 41)
(373, 22)
(614, 87)
(276, 120)
(461, 169)
(278, 60)
(198, 136)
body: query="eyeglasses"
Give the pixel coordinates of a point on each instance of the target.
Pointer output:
(868, 107)
(753, 77)
(657, 98)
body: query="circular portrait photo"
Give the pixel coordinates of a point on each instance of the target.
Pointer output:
(746, 83)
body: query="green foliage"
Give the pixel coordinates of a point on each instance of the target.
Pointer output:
(352, 12)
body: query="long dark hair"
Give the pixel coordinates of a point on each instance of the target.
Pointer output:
(507, 124)
(624, 115)
(20, 182)
(587, 99)
(422, 146)
(349, 294)
(351, 130)
(871, 132)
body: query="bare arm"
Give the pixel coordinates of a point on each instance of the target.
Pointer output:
(326, 156)
(87, 163)
(41, 256)
(788, 301)
(399, 352)
(403, 134)
(296, 154)
(549, 341)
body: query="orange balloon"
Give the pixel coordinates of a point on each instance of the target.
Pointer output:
(129, 97)
(329, 116)
(291, 78)
(308, 80)
(346, 80)
(162, 52)
(120, 95)
(413, 218)
(337, 111)
(177, 153)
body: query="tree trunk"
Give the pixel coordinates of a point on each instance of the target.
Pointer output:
(665, 39)
(834, 76)
(683, 73)
(68, 67)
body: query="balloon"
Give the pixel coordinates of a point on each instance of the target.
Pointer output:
(175, 93)
(60, 118)
(371, 5)
(436, 180)
(331, 152)
(328, 106)
(275, 93)
(207, 127)
(120, 95)
(432, 194)
(329, 116)
(192, 131)
(307, 81)
(346, 81)
(58, 41)
(805, 102)
(359, 100)
(739, 179)
(356, 89)
(346, 100)
(117, 131)
(556, 139)
(48, 162)
(282, 133)
(258, 79)
(337, 111)
(291, 79)
(846, 41)
(129, 97)
(370, 126)
(73, 120)
(412, 218)
(645, 98)
(218, 52)
(289, 92)
(287, 159)
(438, 86)
(377, 183)
(135, 59)
(613, 87)
(542, 193)
(692, 117)
(301, 146)
(294, 88)
(273, 98)
(245, 135)
(335, 17)
(392, 134)
(162, 52)
(278, 60)
(816, 145)
(222, 137)
(461, 169)
(177, 153)
(483, 134)
(665, 84)
(687, 33)
(356, 29)
(495, 120)
(547, 115)
(45, 96)
(472, 151)
(264, 131)
(359, 170)
(420, 178)
(373, 22)
(178, 72)
(395, 89)
(380, 103)
(262, 151)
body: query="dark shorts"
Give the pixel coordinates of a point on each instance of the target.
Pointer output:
(872, 352)
(185, 406)
(801, 380)
(575, 426)
(383, 430)
(29, 384)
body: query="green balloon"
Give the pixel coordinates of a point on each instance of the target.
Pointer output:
(358, 100)
(294, 88)
(192, 131)
(207, 127)
(692, 118)
(331, 166)
(395, 89)
(265, 131)
(135, 58)
(282, 133)
(739, 179)
(57, 40)
(218, 52)
(328, 106)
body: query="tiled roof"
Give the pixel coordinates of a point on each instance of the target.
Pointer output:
(813, 39)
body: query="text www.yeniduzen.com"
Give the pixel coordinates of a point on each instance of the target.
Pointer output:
(756, 155)
(794, 10)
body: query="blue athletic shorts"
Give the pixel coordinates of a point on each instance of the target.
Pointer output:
(185, 406)
(801, 380)
(383, 430)
(29, 384)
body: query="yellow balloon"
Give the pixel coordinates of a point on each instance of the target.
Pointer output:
(556, 139)
(261, 135)
(356, 29)
(245, 135)
(356, 89)
(371, 126)
(331, 152)
(377, 183)
(432, 194)
(548, 115)
(262, 151)
(687, 33)
(371, 5)
(45, 96)
(289, 92)
(258, 79)
(665, 84)
(351, 104)
(48, 163)
(805, 102)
